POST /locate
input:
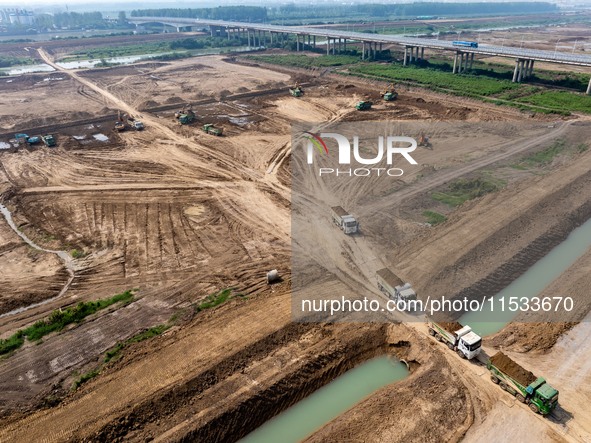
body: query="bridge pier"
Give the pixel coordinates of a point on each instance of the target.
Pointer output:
(314, 42)
(516, 71)
(589, 87)
(455, 63)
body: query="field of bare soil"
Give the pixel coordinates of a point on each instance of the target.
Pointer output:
(179, 215)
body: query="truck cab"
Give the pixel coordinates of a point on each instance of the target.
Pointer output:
(543, 396)
(349, 224)
(405, 292)
(469, 342)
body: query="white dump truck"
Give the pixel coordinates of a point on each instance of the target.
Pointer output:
(391, 285)
(345, 221)
(461, 339)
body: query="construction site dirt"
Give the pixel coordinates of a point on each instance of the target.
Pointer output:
(179, 214)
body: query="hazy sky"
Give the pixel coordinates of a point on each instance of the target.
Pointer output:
(104, 4)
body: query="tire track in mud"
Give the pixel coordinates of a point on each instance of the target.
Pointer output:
(63, 256)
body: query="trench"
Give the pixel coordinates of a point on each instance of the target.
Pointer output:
(493, 318)
(63, 256)
(330, 401)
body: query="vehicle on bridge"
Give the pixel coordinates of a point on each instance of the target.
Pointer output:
(465, 44)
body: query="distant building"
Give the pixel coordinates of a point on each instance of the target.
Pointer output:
(17, 17)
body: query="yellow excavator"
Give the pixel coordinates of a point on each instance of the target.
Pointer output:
(424, 141)
(296, 90)
(390, 93)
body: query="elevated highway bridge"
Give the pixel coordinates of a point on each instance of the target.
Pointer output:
(414, 47)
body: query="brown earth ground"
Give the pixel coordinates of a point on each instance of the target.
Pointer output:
(179, 214)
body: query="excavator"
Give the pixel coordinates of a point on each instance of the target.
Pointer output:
(185, 115)
(296, 90)
(424, 141)
(390, 93)
(119, 125)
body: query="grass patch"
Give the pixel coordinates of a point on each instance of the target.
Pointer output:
(463, 190)
(304, 61)
(7, 61)
(560, 101)
(114, 353)
(84, 378)
(461, 84)
(213, 300)
(12, 343)
(541, 158)
(434, 218)
(75, 253)
(59, 319)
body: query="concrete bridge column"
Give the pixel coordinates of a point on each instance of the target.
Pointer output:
(531, 68)
(327, 45)
(405, 56)
(422, 53)
(363, 51)
(297, 42)
(471, 60)
(455, 63)
(589, 87)
(516, 71)
(521, 69)
(309, 38)
(314, 42)
(345, 43)
(248, 37)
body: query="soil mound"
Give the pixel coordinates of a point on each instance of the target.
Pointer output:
(451, 326)
(512, 369)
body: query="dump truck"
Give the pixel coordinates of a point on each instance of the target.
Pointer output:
(209, 128)
(393, 287)
(33, 140)
(48, 140)
(363, 105)
(135, 124)
(461, 339)
(523, 384)
(296, 90)
(345, 221)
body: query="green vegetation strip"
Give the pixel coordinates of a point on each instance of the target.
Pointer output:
(460, 84)
(560, 100)
(541, 158)
(434, 218)
(7, 61)
(59, 319)
(463, 190)
(188, 44)
(113, 354)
